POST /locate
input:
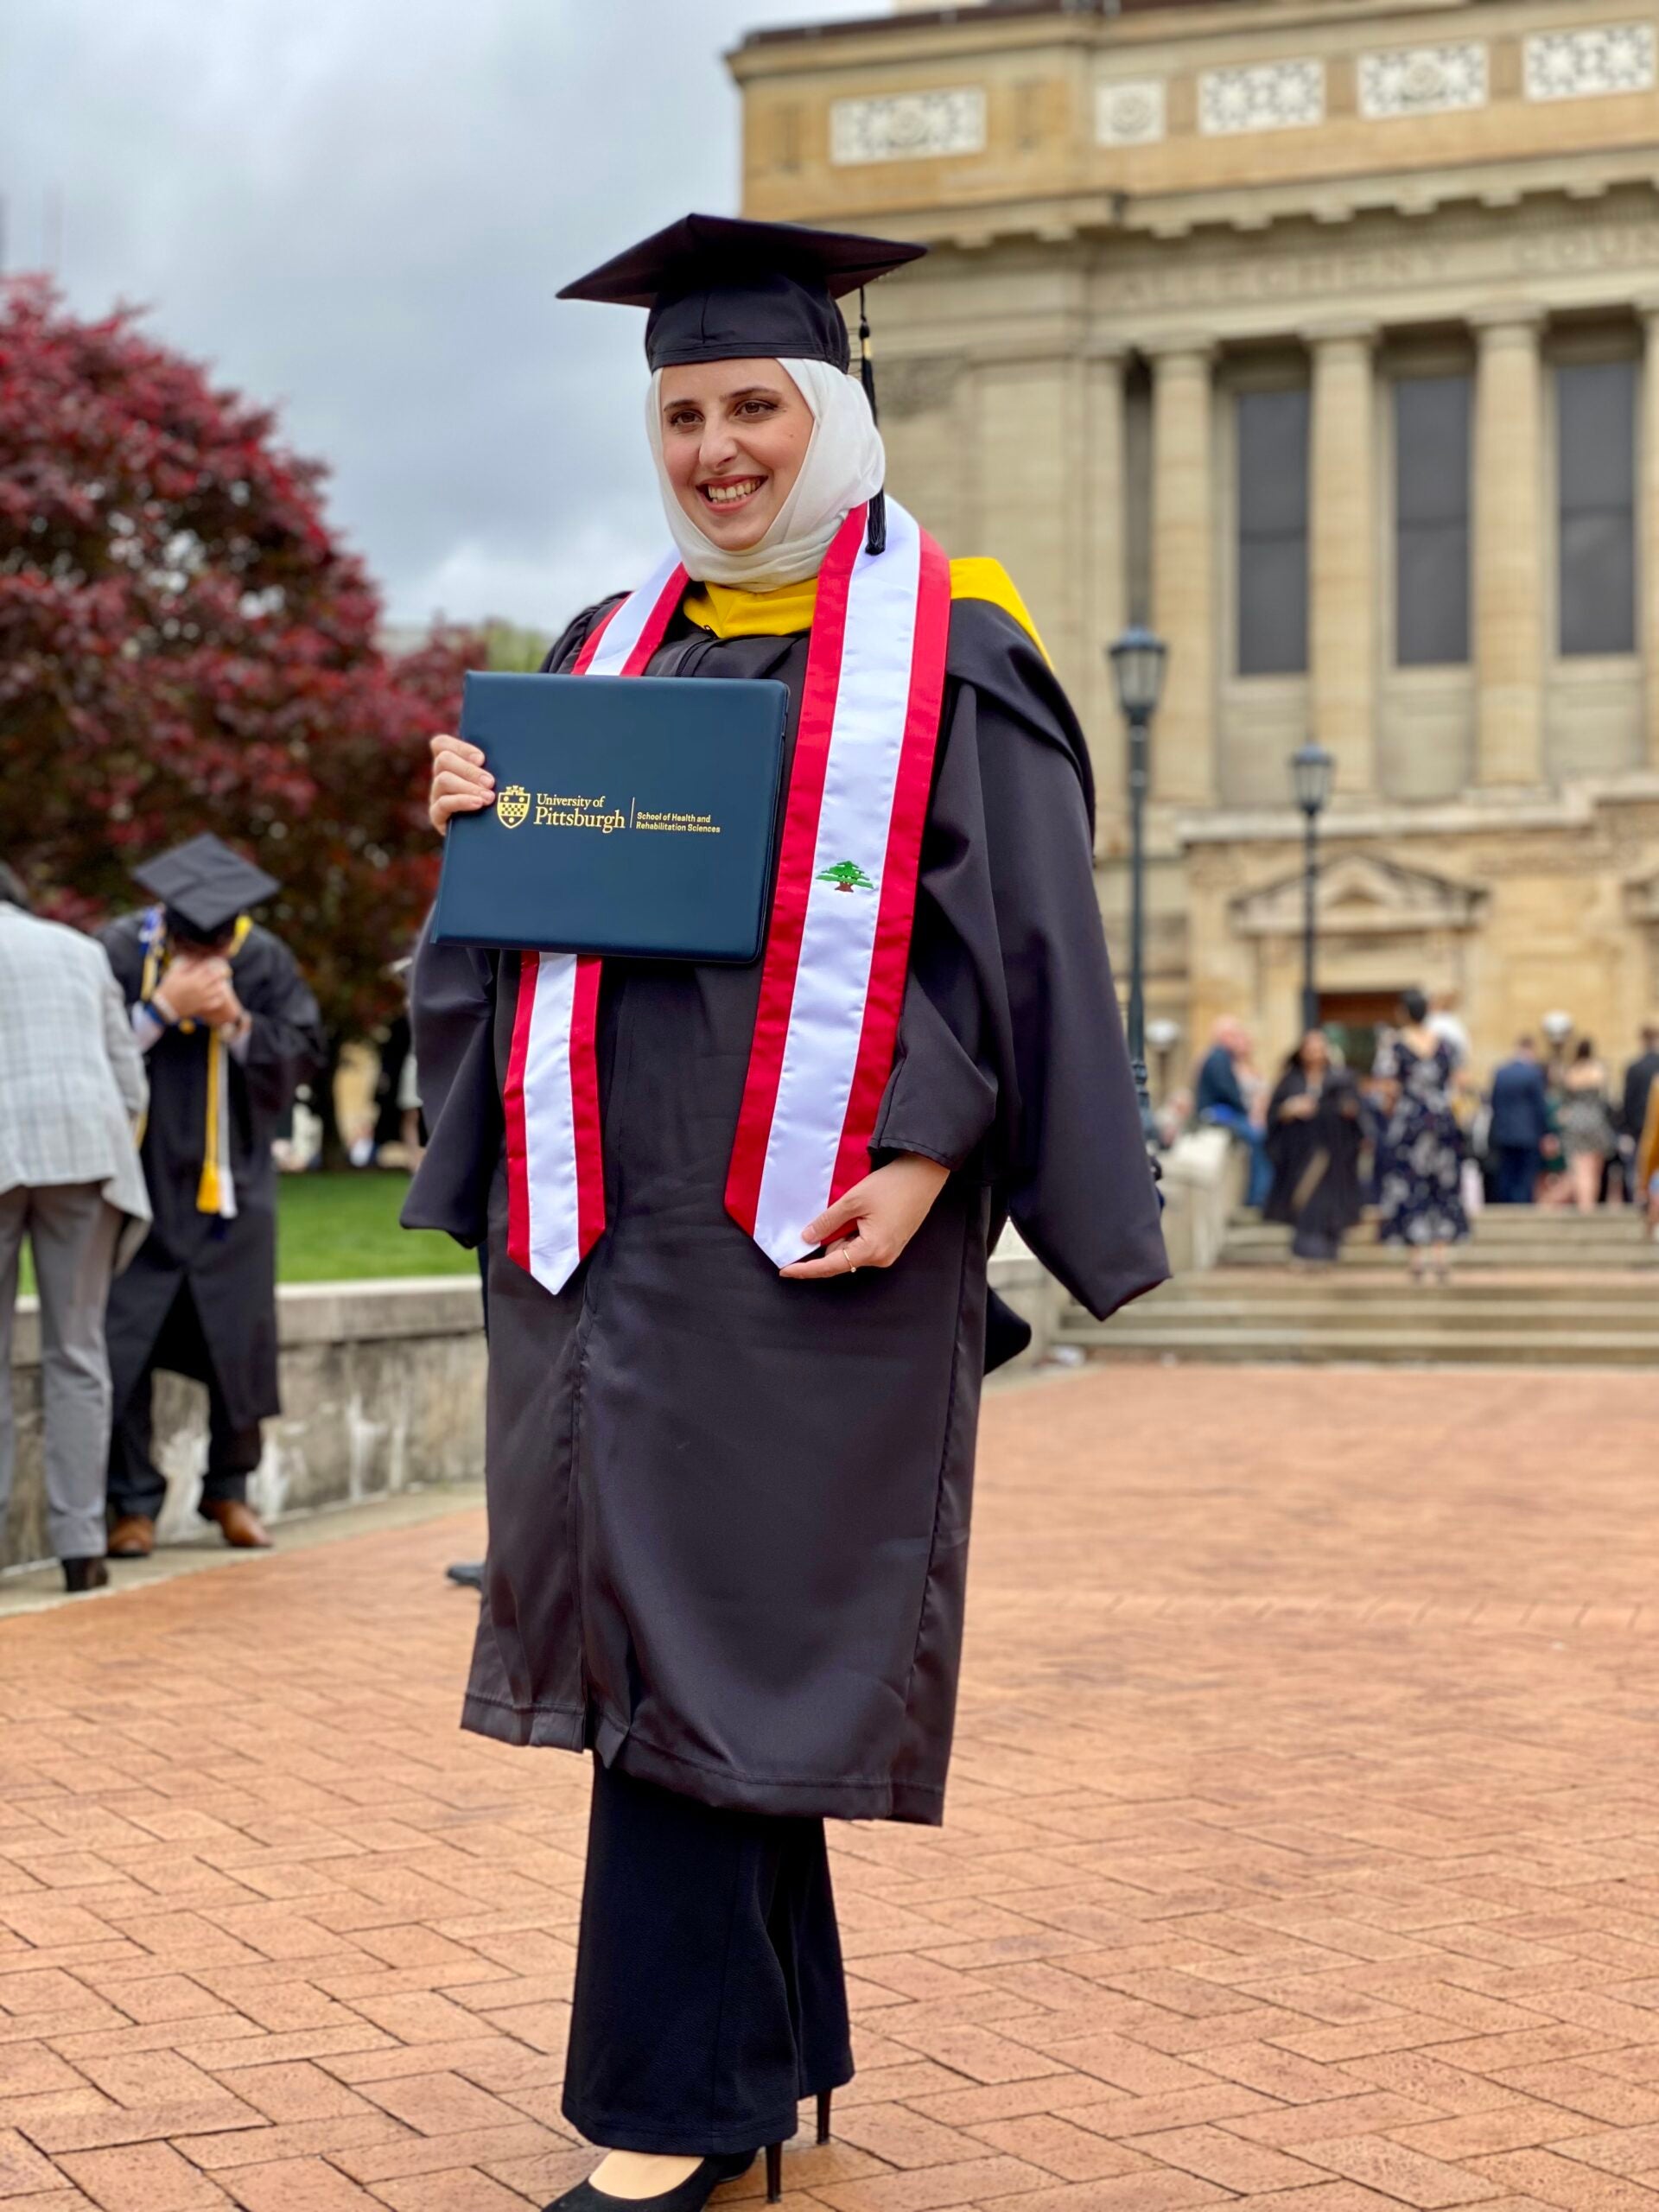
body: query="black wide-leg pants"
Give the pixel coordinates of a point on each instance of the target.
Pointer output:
(710, 1994)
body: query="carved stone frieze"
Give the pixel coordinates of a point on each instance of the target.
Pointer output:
(1450, 258)
(1261, 96)
(1423, 80)
(1596, 60)
(908, 126)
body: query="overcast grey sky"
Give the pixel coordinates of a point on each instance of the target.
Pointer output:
(361, 210)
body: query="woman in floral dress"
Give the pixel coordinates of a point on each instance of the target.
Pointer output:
(1420, 1160)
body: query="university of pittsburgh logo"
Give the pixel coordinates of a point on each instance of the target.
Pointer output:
(847, 875)
(513, 805)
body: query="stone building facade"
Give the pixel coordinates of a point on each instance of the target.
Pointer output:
(1325, 335)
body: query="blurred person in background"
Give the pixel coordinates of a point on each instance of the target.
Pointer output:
(229, 1030)
(1589, 1139)
(1447, 1024)
(1520, 1126)
(1420, 1159)
(1315, 1128)
(72, 1093)
(1641, 1080)
(1647, 1159)
(1221, 1099)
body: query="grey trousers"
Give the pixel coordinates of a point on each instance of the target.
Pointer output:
(72, 1229)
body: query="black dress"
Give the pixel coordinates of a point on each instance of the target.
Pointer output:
(1316, 1186)
(1419, 1159)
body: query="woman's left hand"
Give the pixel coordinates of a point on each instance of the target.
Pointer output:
(889, 1206)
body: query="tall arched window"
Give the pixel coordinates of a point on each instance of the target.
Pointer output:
(1595, 478)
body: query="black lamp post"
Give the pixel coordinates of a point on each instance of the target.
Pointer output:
(1313, 772)
(1137, 665)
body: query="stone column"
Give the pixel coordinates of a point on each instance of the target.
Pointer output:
(1509, 549)
(1647, 532)
(1182, 571)
(1104, 598)
(1342, 553)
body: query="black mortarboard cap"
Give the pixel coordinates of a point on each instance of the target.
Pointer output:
(720, 289)
(206, 884)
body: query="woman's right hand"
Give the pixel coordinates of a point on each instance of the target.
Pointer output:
(460, 782)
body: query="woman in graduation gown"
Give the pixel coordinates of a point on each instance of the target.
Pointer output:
(1315, 1128)
(731, 1440)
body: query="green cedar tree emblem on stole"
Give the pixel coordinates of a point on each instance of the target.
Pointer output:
(847, 875)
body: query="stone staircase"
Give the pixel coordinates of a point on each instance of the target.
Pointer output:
(1531, 1289)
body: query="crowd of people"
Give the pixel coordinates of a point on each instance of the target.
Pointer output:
(146, 1074)
(1420, 1140)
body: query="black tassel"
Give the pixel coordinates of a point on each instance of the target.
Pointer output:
(875, 537)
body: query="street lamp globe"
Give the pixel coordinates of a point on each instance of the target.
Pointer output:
(1313, 772)
(1137, 664)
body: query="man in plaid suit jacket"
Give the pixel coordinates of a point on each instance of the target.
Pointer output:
(72, 1091)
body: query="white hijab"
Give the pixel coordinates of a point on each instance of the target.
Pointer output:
(845, 464)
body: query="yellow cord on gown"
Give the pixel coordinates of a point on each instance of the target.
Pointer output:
(210, 1188)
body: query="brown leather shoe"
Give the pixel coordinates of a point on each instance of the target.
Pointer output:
(132, 1537)
(241, 1526)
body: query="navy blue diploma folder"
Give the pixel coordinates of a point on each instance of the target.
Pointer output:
(633, 816)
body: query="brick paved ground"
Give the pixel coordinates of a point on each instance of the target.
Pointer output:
(1303, 1849)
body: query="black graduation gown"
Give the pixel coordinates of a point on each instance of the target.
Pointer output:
(1316, 1187)
(230, 1266)
(729, 1513)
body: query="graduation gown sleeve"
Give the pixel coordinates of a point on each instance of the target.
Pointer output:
(286, 1045)
(452, 990)
(451, 1011)
(1011, 1048)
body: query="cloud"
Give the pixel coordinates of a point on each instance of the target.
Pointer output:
(361, 210)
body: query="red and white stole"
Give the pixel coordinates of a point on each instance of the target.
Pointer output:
(837, 952)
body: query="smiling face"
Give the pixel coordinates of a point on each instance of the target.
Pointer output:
(734, 434)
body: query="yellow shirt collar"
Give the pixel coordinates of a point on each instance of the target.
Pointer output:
(730, 612)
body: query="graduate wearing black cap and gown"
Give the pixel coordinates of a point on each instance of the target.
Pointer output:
(729, 1510)
(200, 1297)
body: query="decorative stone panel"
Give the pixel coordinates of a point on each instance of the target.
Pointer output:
(1130, 111)
(1261, 96)
(908, 127)
(919, 386)
(1422, 81)
(1581, 64)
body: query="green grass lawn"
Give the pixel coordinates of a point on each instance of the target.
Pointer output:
(339, 1228)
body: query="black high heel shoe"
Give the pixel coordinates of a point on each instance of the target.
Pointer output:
(689, 2195)
(775, 2151)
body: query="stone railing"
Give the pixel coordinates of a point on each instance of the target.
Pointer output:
(1204, 1173)
(382, 1390)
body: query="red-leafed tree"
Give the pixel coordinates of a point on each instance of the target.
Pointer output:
(184, 647)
